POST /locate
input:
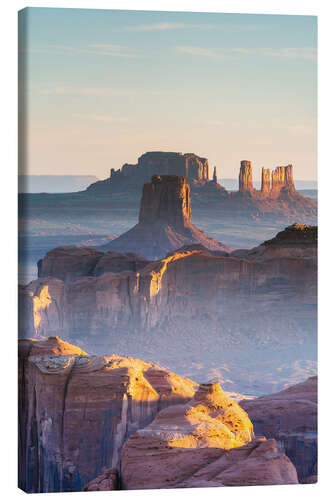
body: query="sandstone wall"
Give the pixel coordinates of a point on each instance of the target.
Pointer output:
(75, 412)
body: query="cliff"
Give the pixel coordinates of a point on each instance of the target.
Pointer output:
(260, 299)
(164, 221)
(76, 411)
(290, 417)
(68, 263)
(186, 446)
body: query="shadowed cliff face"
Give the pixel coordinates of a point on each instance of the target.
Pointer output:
(75, 411)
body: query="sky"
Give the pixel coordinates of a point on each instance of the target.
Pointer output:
(101, 87)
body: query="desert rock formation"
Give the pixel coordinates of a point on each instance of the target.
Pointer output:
(265, 180)
(164, 221)
(245, 176)
(290, 417)
(75, 411)
(194, 168)
(186, 446)
(276, 200)
(152, 313)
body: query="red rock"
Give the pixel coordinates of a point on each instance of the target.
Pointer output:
(75, 411)
(290, 417)
(186, 446)
(265, 180)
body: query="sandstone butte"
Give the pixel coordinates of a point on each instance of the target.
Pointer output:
(276, 199)
(164, 221)
(75, 411)
(205, 442)
(290, 417)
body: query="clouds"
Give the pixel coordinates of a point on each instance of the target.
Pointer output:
(309, 53)
(63, 90)
(167, 26)
(93, 49)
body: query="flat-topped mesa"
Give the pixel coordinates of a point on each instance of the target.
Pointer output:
(191, 166)
(245, 176)
(166, 201)
(265, 180)
(282, 178)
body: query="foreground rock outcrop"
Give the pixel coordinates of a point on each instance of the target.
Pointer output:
(76, 411)
(186, 446)
(290, 417)
(164, 222)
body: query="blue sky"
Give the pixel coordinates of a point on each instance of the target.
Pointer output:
(105, 86)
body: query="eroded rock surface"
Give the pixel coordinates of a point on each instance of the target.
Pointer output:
(76, 411)
(290, 417)
(186, 446)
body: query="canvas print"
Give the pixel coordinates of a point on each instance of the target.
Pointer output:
(167, 250)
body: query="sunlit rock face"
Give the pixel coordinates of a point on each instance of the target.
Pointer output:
(245, 177)
(75, 411)
(164, 221)
(290, 417)
(265, 180)
(185, 446)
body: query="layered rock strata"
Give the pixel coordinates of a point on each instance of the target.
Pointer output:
(153, 313)
(186, 446)
(76, 411)
(290, 417)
